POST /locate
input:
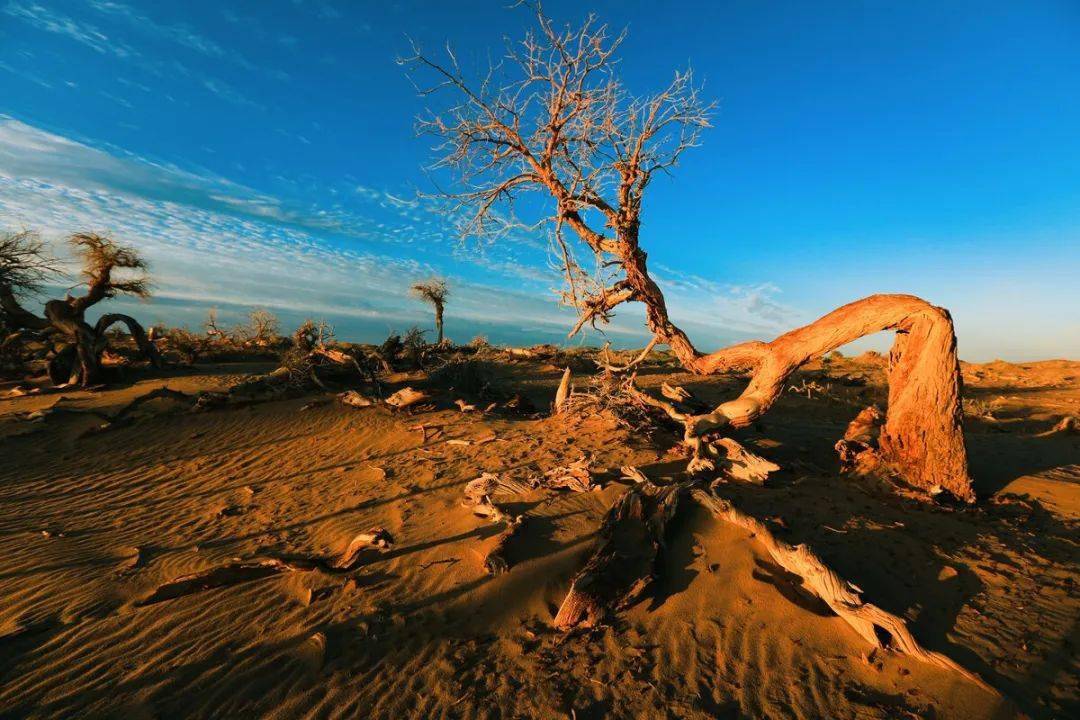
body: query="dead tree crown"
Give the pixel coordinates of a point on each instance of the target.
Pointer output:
(552, 118)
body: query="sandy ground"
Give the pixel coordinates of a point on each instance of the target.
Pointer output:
(92, 524)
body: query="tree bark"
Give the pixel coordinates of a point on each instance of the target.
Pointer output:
(439, 322)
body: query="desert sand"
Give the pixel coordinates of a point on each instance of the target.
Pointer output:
(97, 525)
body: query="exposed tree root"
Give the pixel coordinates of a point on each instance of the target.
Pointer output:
(477, 498)
(377, 539)
(878, 627)
(631, 539)
(1067, 424)
(121, 416)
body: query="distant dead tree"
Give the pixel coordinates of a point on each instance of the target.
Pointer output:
(434, 292)
(77, 346)
(553, 119)
(24, 267)
(261, 329)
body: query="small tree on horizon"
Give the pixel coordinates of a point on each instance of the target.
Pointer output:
(434, 292)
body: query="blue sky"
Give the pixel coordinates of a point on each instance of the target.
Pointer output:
(263, 153)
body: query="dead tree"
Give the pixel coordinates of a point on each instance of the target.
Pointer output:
(24, 267)
(77, 346)
(434, 292)
(553, 119)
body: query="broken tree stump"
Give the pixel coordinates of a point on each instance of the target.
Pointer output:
(623, 565)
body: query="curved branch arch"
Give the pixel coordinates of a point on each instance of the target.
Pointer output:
(922, 438)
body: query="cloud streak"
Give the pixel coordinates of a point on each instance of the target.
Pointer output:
(213, 242)
(86, 34)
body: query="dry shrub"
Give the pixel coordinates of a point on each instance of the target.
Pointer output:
(413, 347)
(262, 328)
(977, 407)
(188, 345)
(472, 377)
(612, 395)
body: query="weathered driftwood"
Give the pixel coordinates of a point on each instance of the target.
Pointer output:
(377, 539)
(406, 397)
(576, 477)
(240, 571)
(480, 488)
(490, 484)
(354, 399)
(477, 497)
(878, 627)
(563, 392)
(737, 463)
(858, 450)
(674, 392)
(623, 565)
(1067, 424)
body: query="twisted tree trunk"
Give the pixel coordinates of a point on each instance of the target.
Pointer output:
(439, 322)
(77, 358)
(922, 439)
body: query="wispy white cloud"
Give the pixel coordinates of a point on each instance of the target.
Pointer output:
(177, 33)
(215, 243)
(236, 253)
(230, 94)
(750, 309)
(28, 76)
(51, 21)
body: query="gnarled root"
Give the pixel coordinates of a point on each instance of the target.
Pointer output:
(878, 627)
(622, 567)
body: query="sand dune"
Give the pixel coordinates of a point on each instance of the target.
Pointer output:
(92, 524)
